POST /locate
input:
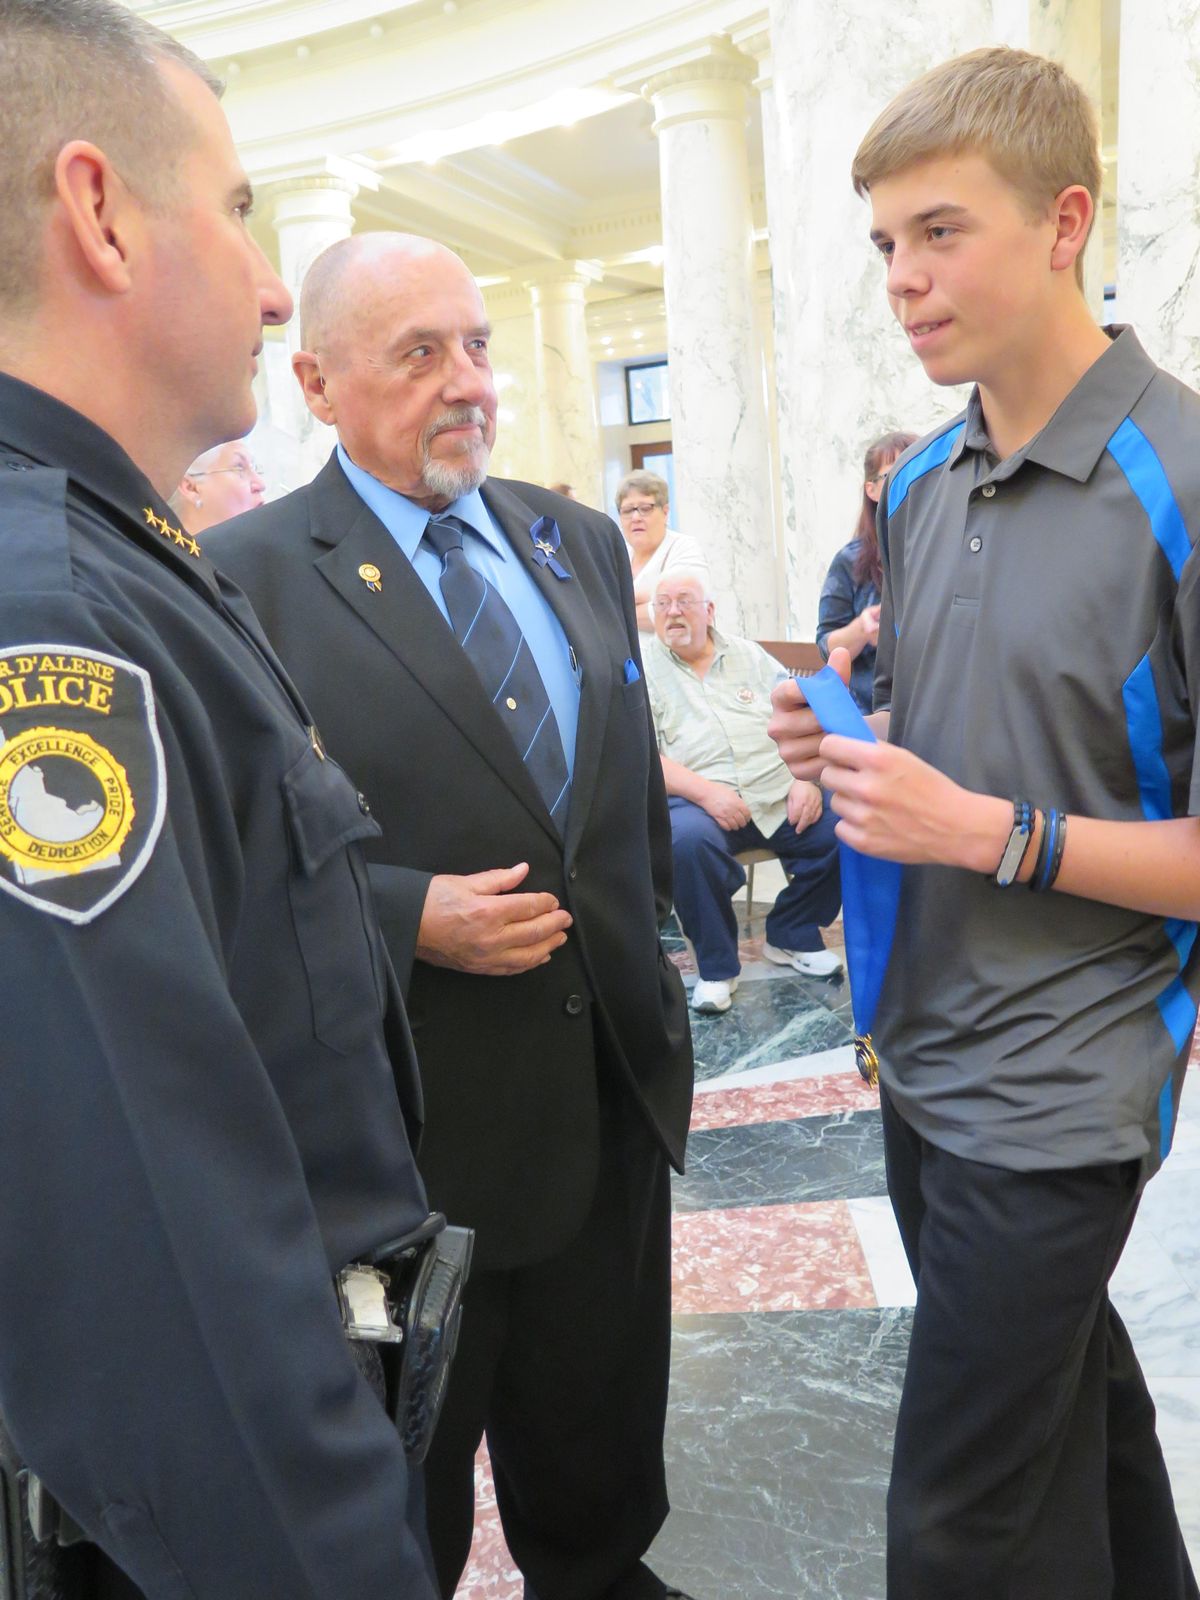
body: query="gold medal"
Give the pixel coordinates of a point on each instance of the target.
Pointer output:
(866, 1060)
(371, 576)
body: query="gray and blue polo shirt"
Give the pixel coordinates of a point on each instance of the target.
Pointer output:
(1040, 638)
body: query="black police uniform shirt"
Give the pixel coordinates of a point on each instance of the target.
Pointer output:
(199, 1121)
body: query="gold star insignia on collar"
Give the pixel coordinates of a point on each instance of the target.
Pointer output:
(177, 536)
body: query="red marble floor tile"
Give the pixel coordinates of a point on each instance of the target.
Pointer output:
(784, 1102)
(769, 1258)
(491, 1573)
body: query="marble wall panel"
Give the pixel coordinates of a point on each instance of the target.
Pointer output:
(1158, 181)
(844, 373)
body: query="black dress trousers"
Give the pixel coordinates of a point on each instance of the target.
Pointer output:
(565, 1364)
(1026, 1464)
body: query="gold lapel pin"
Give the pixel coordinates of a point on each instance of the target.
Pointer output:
(371, 576)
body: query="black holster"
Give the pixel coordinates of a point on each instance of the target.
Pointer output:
(427, 1273)
(41, 1552)
(43, 1555)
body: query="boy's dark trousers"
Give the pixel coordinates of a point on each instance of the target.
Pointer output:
(1026, 1465)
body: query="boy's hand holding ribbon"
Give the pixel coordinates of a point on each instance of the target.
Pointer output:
(890, 803)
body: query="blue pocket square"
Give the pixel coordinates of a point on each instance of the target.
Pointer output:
(631, 671)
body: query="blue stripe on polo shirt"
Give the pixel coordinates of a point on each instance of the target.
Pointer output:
(1143, 722)
(1166, 1118)
(933, 455)
(1138, 460)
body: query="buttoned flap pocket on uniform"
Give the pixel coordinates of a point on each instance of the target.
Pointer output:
(331, 902)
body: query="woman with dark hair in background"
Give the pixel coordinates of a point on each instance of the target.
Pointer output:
(849, 612)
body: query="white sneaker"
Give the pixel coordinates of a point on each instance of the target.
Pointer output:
(813, 963)
(713, 995)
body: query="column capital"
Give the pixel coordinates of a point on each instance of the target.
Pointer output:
(712, 84)
(755, 38)
(316, 196)
(547, 275)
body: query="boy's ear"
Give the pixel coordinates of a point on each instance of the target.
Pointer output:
(1072, 212)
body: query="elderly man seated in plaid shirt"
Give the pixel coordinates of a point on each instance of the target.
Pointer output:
(710, 694)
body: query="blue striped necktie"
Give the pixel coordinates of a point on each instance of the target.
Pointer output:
(495, 646)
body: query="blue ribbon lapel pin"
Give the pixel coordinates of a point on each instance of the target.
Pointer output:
(631, 671)
(546, 540)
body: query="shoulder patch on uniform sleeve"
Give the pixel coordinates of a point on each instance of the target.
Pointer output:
(83, 789)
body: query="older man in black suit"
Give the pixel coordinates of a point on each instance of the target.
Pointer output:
(470, 651)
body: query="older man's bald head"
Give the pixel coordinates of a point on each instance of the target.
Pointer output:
(341, 281)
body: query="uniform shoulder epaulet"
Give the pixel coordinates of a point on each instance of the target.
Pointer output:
(35, 548)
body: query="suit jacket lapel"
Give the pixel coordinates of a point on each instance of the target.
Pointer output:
(569, 602)
(401, 613)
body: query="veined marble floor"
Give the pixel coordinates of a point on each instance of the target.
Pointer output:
(792, 1300)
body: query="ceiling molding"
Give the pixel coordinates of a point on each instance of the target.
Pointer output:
(351, 93)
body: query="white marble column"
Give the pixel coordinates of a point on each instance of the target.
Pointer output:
(844, 373)
(1158, 259)
(308, 214)
(718, 420)
(566, 387)
(754, 38)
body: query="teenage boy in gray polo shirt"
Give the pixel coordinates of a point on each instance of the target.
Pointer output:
(1040, 643)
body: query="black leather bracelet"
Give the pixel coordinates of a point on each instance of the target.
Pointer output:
(1060, 844)
(1040, 862)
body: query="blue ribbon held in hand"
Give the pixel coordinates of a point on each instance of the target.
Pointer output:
(546, 540)
(870, 886)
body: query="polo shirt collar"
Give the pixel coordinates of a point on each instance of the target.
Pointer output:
(1077, 434)
(405, 520)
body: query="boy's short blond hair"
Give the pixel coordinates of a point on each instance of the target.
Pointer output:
(1025, 114)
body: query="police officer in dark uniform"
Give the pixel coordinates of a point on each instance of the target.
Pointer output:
(200, 1123)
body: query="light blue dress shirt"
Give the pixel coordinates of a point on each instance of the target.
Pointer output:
(494, 559)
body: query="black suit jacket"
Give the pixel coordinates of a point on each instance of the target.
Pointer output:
(509, 1065)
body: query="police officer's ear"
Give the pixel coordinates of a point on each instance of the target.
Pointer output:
(309, 376)
(99, 211)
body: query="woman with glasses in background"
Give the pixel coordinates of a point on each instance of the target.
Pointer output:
(220, 484)
(643, 508)
(848, 618)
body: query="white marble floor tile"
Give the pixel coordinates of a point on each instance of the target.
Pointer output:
(1178, 1404)
(1170, 1212)
(1185, 1147)
(875, 1224)
(1158, 1307)
(815, 1066)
